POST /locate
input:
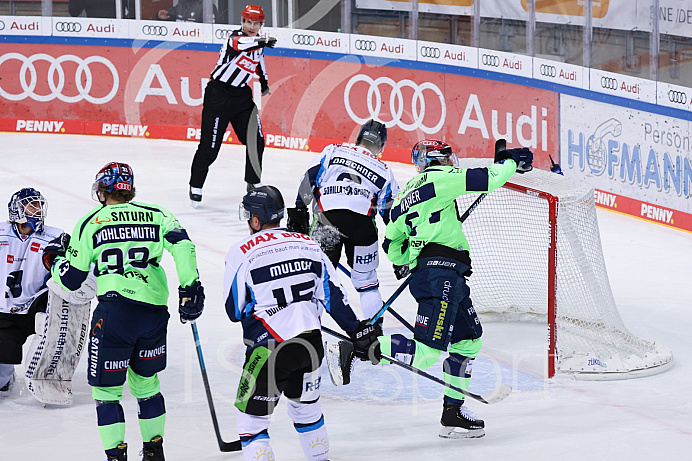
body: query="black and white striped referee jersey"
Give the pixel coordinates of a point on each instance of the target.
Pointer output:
(239, 59)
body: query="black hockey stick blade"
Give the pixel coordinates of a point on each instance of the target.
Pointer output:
(495, 396)
(500, 145)
(223, 446)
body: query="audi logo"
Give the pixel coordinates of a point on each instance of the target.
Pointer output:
(2, 25)
(155, 30)
(548, 71)
(83, 72)
(300, 39)
(429, 52)
(222, 34)
(396, 103)
(365, 45)
(490, 60)
(609, 83)
(68, 26)
(678, 97)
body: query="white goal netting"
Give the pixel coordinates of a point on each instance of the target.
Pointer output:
(517, 276)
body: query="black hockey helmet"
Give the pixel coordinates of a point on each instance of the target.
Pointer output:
(373, 135)
(266, 202)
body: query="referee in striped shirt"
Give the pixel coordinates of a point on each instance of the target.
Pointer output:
(228, 98)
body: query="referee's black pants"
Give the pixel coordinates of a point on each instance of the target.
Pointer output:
(224, 104)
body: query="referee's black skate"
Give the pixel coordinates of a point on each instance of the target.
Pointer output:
(460, 423)
(195, 196)
(121, 453)
(153, 451)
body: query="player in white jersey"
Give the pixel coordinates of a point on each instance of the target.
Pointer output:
(22, 241)
(277, 284)
(350, 185)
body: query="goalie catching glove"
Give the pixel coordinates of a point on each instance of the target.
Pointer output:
(191, 301)
(523, 157)
(56, 247)
(365, 343)
(298, 219)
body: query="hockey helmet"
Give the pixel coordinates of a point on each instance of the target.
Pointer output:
(28, 206)
(265, 201)
(114, 176)
(253, 13)
(373, 136)
(432, 152)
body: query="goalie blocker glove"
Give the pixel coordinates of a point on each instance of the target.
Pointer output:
(365, 343)
(56, 247)
(523, 157)
(298, 219)
(191, 301)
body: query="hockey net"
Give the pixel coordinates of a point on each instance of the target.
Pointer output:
(536, 255)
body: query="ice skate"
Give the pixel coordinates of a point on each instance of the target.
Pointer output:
(121, 453)
(153, 451)
(7, 388)
(195, 197)
(340, 361)
(460, 423)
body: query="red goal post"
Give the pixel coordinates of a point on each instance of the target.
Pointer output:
(537, 256)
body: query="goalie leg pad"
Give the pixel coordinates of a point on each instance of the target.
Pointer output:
(56, 349)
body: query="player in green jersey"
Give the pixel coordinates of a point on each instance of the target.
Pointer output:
(424, 235)
(123, 242)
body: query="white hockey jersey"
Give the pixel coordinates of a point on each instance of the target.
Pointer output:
(277, 284)
(21, 266)
(350, 178)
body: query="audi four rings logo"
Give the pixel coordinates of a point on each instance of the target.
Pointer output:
(365, 45)
(429, 52)
(222, 34)
(396, 103)
(548, 71)
(609, 83)
(678, 97)
(82, 73)
(490, 60)
(300, 39)
(68, 26)
(155, 30)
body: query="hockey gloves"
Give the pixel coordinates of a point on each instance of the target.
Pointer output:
(523, 157)
(265, 88)
(191, 301)
(266, 41)
(298, 219)
(56, 247)
(365, 342)
(401, 271)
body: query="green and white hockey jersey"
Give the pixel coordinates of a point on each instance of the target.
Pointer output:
(125, 242)
(425, 209)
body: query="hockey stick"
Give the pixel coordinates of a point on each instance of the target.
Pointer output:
(223, 446)
(390, 301)
(495, 396)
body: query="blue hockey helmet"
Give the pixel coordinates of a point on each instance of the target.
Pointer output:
(266, 202)
(114, 176)
(373, 136)
(432, 152)
(28, 206)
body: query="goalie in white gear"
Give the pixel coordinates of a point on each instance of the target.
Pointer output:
(22, 241)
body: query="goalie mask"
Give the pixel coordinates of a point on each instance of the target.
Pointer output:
(28, 207)
(112, 177)
(432, 152)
